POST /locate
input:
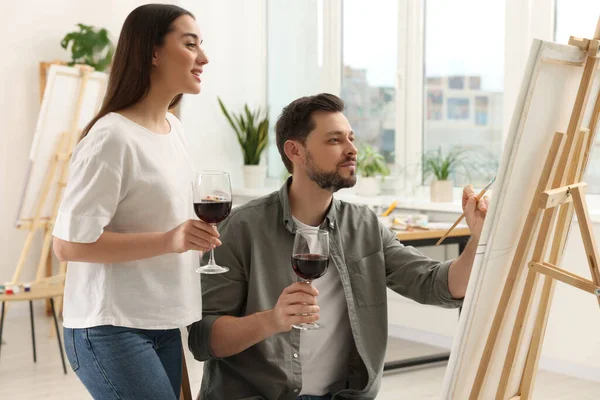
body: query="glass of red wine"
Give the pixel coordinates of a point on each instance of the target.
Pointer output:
(310, 259)
(212, 204)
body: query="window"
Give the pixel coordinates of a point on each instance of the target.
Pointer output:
(369, 58)
(301, 37)
(463, 84)
(571, 21)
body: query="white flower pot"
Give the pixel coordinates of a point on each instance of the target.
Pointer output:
(254, 176)
(441, 191)
(368, 186)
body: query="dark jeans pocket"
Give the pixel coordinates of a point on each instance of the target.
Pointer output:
(69, 335)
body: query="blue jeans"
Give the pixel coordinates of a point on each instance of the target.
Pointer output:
(126, 363)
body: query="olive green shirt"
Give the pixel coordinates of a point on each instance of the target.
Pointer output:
(257, 245)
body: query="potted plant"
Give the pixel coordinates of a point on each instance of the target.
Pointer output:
(89, 46)
(252, 130)
(371, 167)
(441, 167)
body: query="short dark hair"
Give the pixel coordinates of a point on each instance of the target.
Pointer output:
(296, 121)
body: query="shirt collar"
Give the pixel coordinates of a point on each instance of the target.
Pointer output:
(288, 222)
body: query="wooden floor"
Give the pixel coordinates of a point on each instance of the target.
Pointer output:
(20, 378)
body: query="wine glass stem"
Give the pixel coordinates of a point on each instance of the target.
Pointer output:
(211, 261)
(310, 283)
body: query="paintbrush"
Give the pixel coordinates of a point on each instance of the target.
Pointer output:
(477, 198)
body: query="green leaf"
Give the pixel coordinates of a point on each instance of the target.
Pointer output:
(89, 46)
(371, 162)
(442, 166)
(251, 130)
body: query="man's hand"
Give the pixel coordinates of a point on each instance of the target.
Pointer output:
(474, 211)
(295, 300)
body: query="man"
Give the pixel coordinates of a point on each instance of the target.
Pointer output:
(246, 335)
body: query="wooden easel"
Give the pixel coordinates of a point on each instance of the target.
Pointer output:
(44, 67)
(42, 287)
(559, 193)
(58, 168)
(50, 287)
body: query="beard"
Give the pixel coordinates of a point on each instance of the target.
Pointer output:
(332, 181)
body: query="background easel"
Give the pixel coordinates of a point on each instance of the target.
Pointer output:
(46, 286)
(43, 69)
(559, 193)
(55, 178)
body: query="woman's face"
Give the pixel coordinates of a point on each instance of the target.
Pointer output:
(179, 61)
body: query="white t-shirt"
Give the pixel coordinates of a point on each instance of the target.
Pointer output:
(124, 178)
(324, 352)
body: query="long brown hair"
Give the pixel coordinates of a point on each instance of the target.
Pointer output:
(129, 80)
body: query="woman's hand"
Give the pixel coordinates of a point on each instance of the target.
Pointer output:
(192, 235)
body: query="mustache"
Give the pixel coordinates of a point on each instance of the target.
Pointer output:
(347, 159)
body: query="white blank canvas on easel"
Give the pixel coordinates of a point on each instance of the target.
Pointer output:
(549, 87)
(56, 117)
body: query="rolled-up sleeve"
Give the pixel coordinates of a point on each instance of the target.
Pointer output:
(413, 275)
(222, 294)
(90, 200)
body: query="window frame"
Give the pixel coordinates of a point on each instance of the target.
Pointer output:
(524, 21)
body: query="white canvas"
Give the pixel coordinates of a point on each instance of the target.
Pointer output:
(55, 117)
(549, 87)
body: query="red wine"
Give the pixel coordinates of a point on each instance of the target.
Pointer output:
(212, 211)
(310, 266)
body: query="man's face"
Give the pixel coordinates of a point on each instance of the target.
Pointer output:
(330, 154)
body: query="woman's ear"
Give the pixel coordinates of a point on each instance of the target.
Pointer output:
(154, 56)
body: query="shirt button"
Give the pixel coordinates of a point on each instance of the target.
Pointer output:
(295, 390)
(295, 355)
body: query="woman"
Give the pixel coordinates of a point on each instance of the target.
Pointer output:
(126, 221)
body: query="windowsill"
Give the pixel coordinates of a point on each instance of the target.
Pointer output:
(404, 202)
(242, 195)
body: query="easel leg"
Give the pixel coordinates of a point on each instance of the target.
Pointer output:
(587, 234)
(517, 332)
(526, 299)
(23, 256)
(1, 325)
(565, 216)
(186, 391)
(535, 348)
(48, 272)
(32, 330)
(62, 355)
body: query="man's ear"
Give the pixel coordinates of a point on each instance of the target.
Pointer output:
(294, 151)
